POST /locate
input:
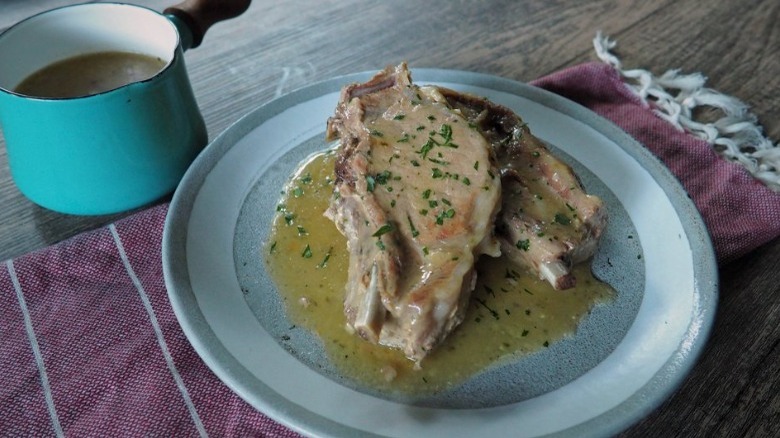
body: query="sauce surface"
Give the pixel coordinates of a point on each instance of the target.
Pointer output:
(89, 74)
(511, 313)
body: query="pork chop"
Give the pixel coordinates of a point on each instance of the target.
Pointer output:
(416, 194)
(547, 223)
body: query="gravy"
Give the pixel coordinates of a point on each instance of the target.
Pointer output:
(511, 313)
(89, 74)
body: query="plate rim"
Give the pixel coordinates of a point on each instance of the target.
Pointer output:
(222, 363)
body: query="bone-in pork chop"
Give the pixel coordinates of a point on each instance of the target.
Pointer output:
(416, 194)
(547, 223)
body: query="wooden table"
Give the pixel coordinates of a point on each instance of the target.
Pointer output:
(276, 47)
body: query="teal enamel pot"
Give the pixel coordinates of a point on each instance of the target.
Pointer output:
(111, 151)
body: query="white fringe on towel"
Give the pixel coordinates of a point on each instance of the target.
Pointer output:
(736, 135)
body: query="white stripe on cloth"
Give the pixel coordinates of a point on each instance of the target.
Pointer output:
(158, 332)
(47, 394)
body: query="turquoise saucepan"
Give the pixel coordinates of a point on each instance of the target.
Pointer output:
(115, 150)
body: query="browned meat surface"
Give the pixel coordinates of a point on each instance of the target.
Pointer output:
(417, 192)
(547, 222)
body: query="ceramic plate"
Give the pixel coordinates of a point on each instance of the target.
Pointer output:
(626, 357)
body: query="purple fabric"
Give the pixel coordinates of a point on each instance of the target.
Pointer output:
(740, 212)
(106, 367)
(80, 351)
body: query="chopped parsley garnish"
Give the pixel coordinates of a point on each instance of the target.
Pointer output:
(427, 147)
(383, 177)
(384, 229)
(289, 218)
(484, 304)
(324, 261)
(446, 133)
(415, 233)
(523, 244)
(445, 214)
(562, 219)
(306, 252)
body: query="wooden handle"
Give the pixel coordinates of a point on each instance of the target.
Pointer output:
(200, 15)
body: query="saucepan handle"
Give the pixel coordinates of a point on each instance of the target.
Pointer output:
(200, 15)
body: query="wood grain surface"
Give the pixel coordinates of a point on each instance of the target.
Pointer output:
(276, 47)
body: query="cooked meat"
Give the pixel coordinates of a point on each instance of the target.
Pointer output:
(547, 222)
(421, 175)
(416, 194)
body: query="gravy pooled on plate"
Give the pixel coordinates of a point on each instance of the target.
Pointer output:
(511, 312)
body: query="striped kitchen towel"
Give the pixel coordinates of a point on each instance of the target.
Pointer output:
(90, 346)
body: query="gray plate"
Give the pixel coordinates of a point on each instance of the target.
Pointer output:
(625, 359)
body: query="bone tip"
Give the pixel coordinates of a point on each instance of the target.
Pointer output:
(558, 275)
(568, 281)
